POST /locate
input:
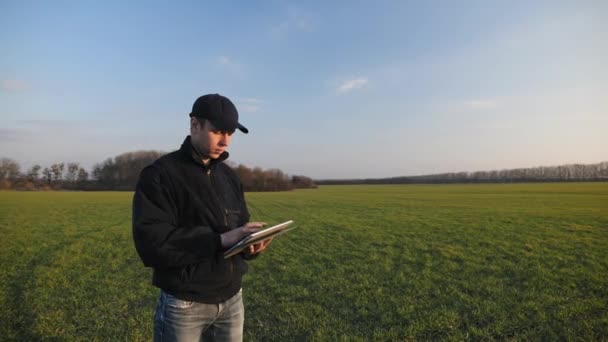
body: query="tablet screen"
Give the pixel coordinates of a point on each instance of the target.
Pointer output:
(261, 235)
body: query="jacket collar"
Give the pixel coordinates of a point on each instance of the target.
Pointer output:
(189, 152)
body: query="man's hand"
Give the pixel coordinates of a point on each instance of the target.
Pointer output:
(231, 237)
(258, 247)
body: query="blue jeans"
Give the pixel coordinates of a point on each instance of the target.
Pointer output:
(180, 320)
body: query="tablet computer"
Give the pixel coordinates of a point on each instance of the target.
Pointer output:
(258, 236)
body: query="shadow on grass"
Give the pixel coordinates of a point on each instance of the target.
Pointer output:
(22, 325)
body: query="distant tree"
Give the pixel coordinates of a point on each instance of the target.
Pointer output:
(83, 176)
(103, 172)
(57, 170)
(9, 173)
(122, 171)
(276, 180)
(561, 173)
(257, 179)
(302, 182)
(72, 172)
(34, 172)
(47, 174)
(9, 169)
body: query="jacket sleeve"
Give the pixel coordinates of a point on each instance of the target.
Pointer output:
(245, 218)
(159, 241)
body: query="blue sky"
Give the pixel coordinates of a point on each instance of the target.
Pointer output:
(344, 89)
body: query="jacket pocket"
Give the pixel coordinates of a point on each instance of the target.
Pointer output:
(194, 273)
(232, 218)
(187, 272)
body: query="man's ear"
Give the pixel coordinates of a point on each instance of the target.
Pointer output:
(192, 123)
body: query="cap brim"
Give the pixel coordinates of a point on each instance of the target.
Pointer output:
(228, 126)
(242, 128)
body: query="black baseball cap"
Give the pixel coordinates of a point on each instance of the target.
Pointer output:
(219, 110)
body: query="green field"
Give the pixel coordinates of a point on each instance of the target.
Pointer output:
(410, 262)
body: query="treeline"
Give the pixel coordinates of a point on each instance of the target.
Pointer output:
(257, 179)
(562, 173)
(53, 177)
(122, 172)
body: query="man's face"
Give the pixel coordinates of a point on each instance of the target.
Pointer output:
(210, 141)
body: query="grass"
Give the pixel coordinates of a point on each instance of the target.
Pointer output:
(404, 262)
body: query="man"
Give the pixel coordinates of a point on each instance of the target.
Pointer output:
(188, 208)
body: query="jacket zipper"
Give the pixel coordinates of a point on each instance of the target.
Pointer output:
(231, 260)
(225, 210)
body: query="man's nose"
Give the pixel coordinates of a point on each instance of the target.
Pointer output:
(224, 139)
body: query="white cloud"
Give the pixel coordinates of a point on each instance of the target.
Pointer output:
(228, 63)
(480, 104)
(301, 21)
(249, 108)
(223, 60)
(252, 100)
(296, 21)
(13, 85)
(11, 135)
(250, 105)
(352, 84)
(49, 123)
(231, 66)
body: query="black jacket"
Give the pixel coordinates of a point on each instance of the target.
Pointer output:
(180, 208)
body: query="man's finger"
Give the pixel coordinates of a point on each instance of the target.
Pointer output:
(266, 242)
(249, 230)
(255, 224)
